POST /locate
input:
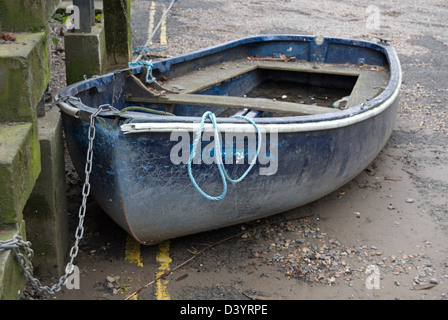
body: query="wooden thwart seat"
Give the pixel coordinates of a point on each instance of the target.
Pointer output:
(204, 78)
(181, 89)
(233, 102)
(368, 86)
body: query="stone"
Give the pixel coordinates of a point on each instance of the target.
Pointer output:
(85, 54)
(24, 76)
(26, 15)
(433, 281)
(19, 168)
(46, 210)
(12, 281)
(118, 33)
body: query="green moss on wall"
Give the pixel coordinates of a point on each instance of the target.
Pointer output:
(24, 76)
(19, 168)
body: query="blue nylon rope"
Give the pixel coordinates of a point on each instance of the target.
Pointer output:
(218, 155)
(143, 49)
(148, 66)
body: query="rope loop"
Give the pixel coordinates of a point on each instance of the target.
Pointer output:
(218, 155)
(148, 66)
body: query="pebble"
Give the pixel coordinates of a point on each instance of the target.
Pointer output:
(314, 257)
(409, 200)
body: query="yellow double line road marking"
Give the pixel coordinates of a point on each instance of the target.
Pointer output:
(164, 260)
(132, 251)
(163, 255)
(152, 13)
(163, 40)
(132, 255)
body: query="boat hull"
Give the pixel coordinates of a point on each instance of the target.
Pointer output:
(154, 200)
(136, 182)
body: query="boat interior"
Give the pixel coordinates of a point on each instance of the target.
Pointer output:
(259, 87)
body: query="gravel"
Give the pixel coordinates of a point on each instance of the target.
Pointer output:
(416, 31)
(301, 251)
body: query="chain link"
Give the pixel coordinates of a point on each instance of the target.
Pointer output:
(17, 241)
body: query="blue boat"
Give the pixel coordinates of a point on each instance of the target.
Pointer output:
(231, 133)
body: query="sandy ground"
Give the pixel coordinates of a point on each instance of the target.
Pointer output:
(391, 219)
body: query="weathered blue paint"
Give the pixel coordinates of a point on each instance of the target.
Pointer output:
(135, 182)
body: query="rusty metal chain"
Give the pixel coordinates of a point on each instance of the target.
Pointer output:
(17, 242)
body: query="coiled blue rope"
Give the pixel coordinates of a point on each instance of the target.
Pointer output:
(148, 66)
(218, 155)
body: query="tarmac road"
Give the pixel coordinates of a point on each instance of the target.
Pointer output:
(391, 219)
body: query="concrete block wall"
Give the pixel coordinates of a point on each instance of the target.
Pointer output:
(45, 212)
(107, 47)
(118, 33)
(19, 169)
(29, 156)
(85, 53)
(26, 15)
(32, 176)
(12, 280)
(24, 76)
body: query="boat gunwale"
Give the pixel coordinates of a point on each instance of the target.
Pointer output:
(160, 123)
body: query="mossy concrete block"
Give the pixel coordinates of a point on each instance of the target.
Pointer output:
(85, 53)
(12, 279)
(46, 210)
(118, 33)
(19, 168)
(26, 15)
(24, 76)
